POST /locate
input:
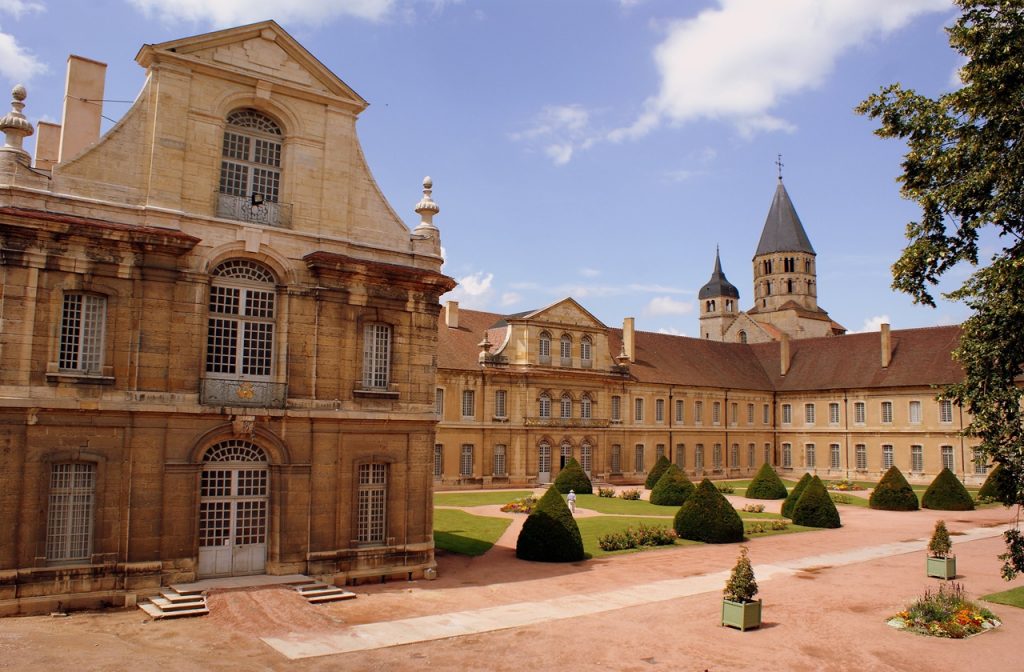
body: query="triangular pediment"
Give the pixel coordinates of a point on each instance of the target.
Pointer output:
(565, 312)
(263, 50)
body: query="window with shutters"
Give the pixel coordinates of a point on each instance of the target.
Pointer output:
(468, 404)
(833, 413)
(917, 459)
(766, 414)
(616, 408)
(787, 414)
(586, 407)
(787, 456)
(809, 456)
(638, 410)
(698, 412)
(887, 412)
(808, 414)
(750, 414)
(681, 455)
(751, 449)
(914, 412)
(565, 410)
(716, 412)
(716, 457)
(544, 406)
(945, 411)
(616, 459)
(638, 460)
(680, 411)
(659, 410)
(698, 457)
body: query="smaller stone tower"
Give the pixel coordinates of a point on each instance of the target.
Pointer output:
(719, 303)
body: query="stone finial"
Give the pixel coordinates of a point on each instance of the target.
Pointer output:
(14, 125)
(485, 349)
(427, 208)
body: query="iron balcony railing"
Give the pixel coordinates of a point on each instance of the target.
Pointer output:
(244, 209)
(566, 422)
(252, 393)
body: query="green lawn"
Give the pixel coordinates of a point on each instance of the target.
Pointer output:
(478, 498)
(464, 533)
(623, 506)
(591, 529)
(1013, 597)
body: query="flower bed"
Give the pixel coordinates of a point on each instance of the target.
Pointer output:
(842, 485)
(635, 537)
(606, 492)
(753, 508)
(945, 613)
(632, 494)
(762, 526)
(522, 505)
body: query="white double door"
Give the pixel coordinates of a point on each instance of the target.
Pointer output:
(232, 520)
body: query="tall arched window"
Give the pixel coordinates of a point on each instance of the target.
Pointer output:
(240, 328)
(250, 167)
(586, 351)
(544, 348)
(544, 406)
(566, 410)
(565, 349)
(586, 407)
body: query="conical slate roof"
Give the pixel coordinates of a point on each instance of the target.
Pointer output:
(718, 285)
(783, 231)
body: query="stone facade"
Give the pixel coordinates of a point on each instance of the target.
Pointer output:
(218, 343)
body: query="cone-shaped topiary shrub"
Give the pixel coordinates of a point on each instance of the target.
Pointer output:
(766, 484)
(815, 508)
(999, 486)
(673, 488)
(893, 493)
(654, 475)
(572, 477)
(947, 493)
(709, 517)
(794, 495)
(550, 533)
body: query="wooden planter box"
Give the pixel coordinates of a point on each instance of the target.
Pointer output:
(741, 615)
(942, 568)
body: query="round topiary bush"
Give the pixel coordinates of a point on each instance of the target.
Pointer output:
(766, 484)
(550, 533)
(999, 486)
(654, 475)
(572, 477)
(709, 517)
(794, 495)
(947, 493)
(815, 507)
(893, 493)
(673, 488)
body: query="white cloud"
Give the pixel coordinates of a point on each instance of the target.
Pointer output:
(559, 130)
(736, 62)
(237, 12)
(657, 289)
(874, 323)
(559, 154)
(589, 272)
(474, 290)
(671, 331)
(17, 8)
(17, 64)
(511, 298)
(666, 305)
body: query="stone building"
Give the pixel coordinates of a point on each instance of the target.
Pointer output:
(218, 339)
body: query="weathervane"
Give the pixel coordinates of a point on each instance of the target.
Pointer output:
(779, 164)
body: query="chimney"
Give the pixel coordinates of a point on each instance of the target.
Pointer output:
(629, 339)
(784, 354)
(451, 314)
(886, 346)
(47, 145)
(83, 96)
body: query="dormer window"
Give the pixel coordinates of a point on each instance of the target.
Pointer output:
(250, 169)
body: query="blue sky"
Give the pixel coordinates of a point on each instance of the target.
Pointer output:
(598, 149)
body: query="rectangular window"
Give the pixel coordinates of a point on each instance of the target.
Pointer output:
(377, 356)
(698, 457)
(466, 460)
(750, 454)
(468, 404)
(886, 456)
(767, 453)
(716, 412)
(616, 459)
(69, 521)
(438, 461)
(833, 413)
(638, 460)
(499, 460)
(616, 408)
(681, 455)
(833, 450)
(808, 414)
(917, 459)
(716, 456)
(659, 451)
(861, 452)
(372, 503)
(887, 412)
(638, 410)
(499, 404)
(980, 463)
(81, 333)
(915, 412)
(240, 331)
(698, 412)
(945, 411)
(787, 414)
(750, 414)
(659, 410)
(859, 414)
(680, 411)
(734, 456)
(787, 456)
(947, 458)
(810, 459)
(586, 457)
(439, 402)
(734, 414)
(766, 416)
(586, 354)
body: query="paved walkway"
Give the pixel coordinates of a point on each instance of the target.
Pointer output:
(456, 624)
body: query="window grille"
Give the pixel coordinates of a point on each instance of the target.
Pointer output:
(638, 414)
(586, 407)
(886, 456)
(659, 451)
(980, 463)
(698, 412)
(859, 413)
(734, 455)
(372, 503)
(767, 453)
(235, 450)
(240, 327)
(616, 407)
(616, 459)
(917, 459)
(439, 402)
(887, 412)
(586, 350)
(500, 411)
(499, 460)
(861, 452)
(750, 414)
(586, 457)
(680, 411)
(834, 455)
(69, 526)
(566, 406)
(639, 459)
(833, 413)
(565, 348)
(945, 410)
(717, 456)
(377, 356)
(468, 404)
(544, 458)
(438, 461)
(681, 455)
(82, 327)
(716, 412)
(544, 406)
(947, 458)
(698, 457)
(810, 460)
(914, 412)
(251, 156)
(787, 414)
(659, 410)
(809, 414)
(466, 460)
(787, 456)
(751, 449)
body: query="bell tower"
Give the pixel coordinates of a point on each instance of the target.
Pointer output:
(719, 304)
(784, 264)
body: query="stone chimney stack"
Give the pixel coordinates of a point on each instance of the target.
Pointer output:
(47, 145)
(629, 338)
(784, 360)
(83, 106)
(886, 346)
(451, 314)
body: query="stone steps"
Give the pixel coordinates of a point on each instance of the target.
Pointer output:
(173, 604)
(319, 593)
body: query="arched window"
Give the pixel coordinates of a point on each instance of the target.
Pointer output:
(240, 327)
(586, 407)
(565, 349)
(544, 406)
(250, 167)
(743, 337)
(544, 348)
(586, 351)
(566, 410)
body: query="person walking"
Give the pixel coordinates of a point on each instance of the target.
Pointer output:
(572, 501)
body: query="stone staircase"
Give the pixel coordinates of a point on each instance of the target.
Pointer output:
(316, 592)
(176, 603)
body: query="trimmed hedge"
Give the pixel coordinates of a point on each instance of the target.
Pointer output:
(673, 488)
(947, 493)
(999, 486)
(709, 517)
(893, 493)
(766, 484)
(550, 533)
(654, 475)
(794, 495)
(815, 507)
(572, 477)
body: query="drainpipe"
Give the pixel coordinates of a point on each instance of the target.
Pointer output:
(846, 423)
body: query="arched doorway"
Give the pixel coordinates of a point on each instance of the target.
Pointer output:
(233, 497)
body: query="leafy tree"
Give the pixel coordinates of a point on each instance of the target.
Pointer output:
(766, 484)
(947, 493)
(673, 488)
(965, 167)
(550, 533)
(656, 471)
(572, 477)
(893, 493)
(794, 495)
(997, 485)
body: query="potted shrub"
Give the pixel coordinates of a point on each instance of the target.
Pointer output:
(941, 563)
(739, 608)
